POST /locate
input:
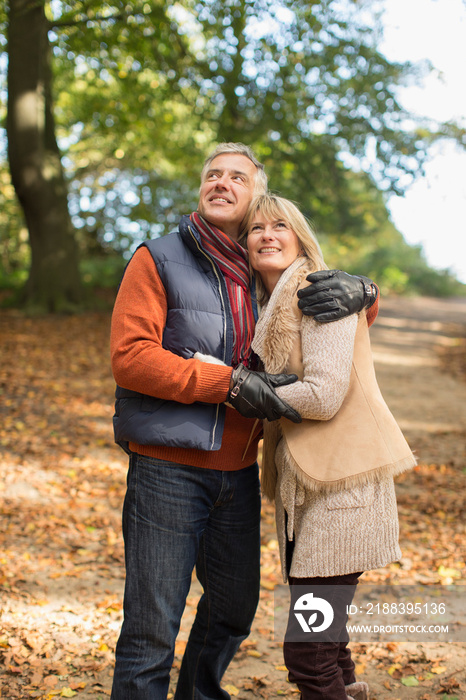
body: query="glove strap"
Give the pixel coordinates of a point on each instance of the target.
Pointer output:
(371, 292)
(238, 382)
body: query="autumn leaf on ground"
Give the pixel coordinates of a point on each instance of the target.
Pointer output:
(410, 681)
(232, 689)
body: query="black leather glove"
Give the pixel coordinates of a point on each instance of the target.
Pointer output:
(335, 294)
(253, 395)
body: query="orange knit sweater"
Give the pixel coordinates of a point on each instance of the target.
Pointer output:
(140, 363)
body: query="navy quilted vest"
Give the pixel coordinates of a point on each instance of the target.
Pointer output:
(198, 319)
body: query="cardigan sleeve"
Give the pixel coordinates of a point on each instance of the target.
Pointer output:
(139, 362)
(327, 359)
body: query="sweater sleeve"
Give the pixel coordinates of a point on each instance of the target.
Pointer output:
(139, 362)
(327, 359)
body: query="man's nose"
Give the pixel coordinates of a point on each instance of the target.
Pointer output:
(222, 181)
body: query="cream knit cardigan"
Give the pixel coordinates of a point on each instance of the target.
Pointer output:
(340, 531)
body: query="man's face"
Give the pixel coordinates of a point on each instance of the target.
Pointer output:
(227, 191)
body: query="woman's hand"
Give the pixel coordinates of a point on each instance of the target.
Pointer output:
(334, 294)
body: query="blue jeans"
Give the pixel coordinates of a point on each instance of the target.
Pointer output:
(175, 518)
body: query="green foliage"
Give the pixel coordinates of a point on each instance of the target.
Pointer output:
(142, 92)
(380, 251)
(14, 249)
(283, 73)
(104, 272)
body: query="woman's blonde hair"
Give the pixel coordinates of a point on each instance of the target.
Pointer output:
(272, 207)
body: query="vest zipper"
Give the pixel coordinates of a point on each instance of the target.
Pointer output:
(224, 322)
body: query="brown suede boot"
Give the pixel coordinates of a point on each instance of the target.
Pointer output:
(357, 691)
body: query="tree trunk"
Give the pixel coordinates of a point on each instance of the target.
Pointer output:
(54, 282)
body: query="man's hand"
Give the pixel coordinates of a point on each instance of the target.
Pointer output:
(335, 294)
(253, 395)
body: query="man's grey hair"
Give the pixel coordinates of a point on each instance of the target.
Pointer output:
(242, 150)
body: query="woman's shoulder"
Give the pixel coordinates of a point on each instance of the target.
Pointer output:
(339, 326)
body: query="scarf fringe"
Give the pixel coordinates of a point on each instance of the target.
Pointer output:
(272, 436)
(269, 483)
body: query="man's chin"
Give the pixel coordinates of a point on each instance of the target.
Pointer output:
(219, 217)
(215, 218)
(221, 212)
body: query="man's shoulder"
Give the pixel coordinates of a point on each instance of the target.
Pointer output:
(163, 242)
(166, 247)
(171, 243)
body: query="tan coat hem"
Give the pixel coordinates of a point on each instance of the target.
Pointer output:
(347, 482)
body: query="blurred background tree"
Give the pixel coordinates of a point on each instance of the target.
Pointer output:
(111, 108)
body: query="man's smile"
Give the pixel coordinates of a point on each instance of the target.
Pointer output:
(219, 198)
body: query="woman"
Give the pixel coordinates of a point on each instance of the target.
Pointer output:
(331, 476)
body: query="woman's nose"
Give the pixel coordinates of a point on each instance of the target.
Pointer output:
(268, 232)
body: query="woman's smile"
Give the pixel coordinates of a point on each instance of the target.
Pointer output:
(269, 251)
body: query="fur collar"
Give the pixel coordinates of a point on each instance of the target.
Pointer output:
(280, 319)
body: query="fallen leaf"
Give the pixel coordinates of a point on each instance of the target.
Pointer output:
(410, 681)
(448, 573)
(438, 669)
(395, 668)
(232, 689)
(268, 585)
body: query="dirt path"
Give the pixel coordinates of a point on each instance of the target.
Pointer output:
(62, 483)
(429, 402)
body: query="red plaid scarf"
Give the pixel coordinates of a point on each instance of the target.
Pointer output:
(231, 258)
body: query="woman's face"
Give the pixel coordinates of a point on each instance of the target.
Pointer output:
(272, 247)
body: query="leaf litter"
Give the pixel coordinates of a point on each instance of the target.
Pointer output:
(62, 485)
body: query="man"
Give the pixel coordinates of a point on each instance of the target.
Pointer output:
(193, 497)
